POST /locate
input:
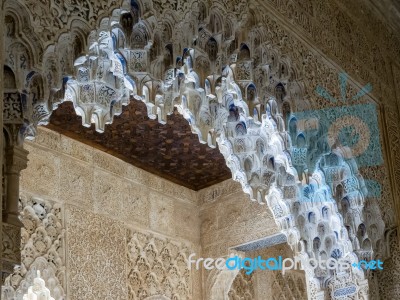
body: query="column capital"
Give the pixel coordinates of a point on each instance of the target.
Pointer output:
(16, 159)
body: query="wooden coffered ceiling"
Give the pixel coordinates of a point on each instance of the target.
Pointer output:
(171, 151)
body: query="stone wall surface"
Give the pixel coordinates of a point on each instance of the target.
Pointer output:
(229, 218)
(314, 39)
(98, 228)
(267, 284)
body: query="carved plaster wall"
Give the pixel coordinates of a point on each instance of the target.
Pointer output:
(70, 172)
(118, 231)
(243, 287)
(275, 284)
(267, 284)
(387, 282)
(96, 246)
(229, 218)
(43, 249)
(250, 130)
(265, 39)
(76, 205)
(98, 228)
(158, 267)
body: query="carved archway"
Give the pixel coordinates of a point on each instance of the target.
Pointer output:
(218, 283)
(235, 88)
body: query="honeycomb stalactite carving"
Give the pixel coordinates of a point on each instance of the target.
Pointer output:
(237, 77)
(38, 289)
(42, 250)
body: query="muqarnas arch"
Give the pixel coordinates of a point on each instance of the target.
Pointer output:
(226, 74)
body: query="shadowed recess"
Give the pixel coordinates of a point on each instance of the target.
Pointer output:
(171, 151)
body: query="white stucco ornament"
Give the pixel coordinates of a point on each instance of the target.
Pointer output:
(38, 291)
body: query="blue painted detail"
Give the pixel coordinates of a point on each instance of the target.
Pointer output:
(266, 242)
(30, 75)
(343, 78)
(336, 254)
(122, 60)
(343, 85)
(347, 136)
(114, 39)
(344, 292)
(365, 90)
(374, 188)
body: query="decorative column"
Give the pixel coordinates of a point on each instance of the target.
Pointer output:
(2, 31)
(15, 161)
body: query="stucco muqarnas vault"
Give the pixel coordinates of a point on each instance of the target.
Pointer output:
(150, 106)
